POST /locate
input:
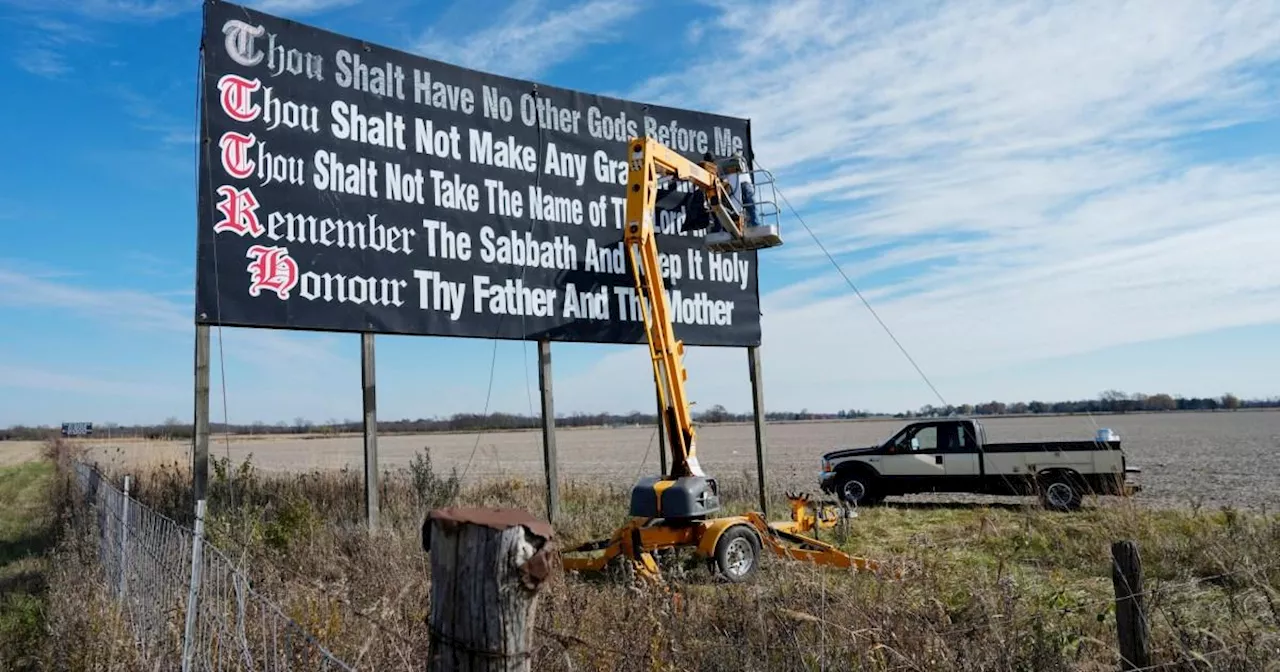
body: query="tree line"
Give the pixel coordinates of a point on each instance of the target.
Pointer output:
(1111, 401)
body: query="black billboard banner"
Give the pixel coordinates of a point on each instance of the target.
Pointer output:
(346, 186)
(77, 429)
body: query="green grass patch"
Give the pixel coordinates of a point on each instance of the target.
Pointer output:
(26, 534)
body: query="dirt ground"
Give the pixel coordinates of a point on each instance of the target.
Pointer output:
(1213, 459)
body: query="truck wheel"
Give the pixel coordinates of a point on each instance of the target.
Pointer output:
(857, 489)
(737, 554)
(1060, 493)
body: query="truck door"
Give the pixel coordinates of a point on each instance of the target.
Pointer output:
(960, 456)
(915, 456)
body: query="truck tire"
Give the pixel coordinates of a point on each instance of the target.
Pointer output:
(737, 554)
(1060, 492)
(857, 488)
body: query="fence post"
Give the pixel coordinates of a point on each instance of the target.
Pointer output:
(197, 557)
(1131, 622)
(486, 568)
(124, 536)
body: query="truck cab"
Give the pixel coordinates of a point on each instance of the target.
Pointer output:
(953, 455)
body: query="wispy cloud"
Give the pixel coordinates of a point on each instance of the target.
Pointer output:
(154, 10)
(119, 306)
(1003, 175)
(43, 61)
(527, 40)
(33, 287)
(21, 377)
(111, 10)
(164, 269)
(153, 117)
(300, 7)
(42, 49)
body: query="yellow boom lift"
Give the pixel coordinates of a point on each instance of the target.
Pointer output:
(677, 509)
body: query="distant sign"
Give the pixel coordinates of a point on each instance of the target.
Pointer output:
(77, 429)
(345, 186)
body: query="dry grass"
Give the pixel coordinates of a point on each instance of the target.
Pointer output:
(1004, 587)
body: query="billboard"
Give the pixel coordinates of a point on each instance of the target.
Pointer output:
(77, 429)
(345, 186)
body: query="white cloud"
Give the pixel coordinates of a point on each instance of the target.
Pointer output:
(47, 38)
(34, 378)
(20, 289)
(1002, 176)
(44, 41)
(269, 374)
(154, 10)
(300, 7)
(153, 117)
(526, 41)
(112, 10)
(43, 62)
(158, 314)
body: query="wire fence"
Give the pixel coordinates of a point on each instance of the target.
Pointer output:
(188, 604)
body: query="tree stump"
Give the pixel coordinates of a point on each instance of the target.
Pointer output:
(487, 566)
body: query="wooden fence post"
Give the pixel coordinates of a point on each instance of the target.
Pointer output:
(1131, 621)
(487, 566)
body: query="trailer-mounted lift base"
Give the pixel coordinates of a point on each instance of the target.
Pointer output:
(731, 544)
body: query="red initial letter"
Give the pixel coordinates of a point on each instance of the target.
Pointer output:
(235, 153)
(236, 99)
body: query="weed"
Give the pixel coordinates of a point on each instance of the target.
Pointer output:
(432, 490)
(21, 626)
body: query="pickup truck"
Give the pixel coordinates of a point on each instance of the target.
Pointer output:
(953, 455)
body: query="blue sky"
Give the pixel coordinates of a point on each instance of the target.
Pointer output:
(1043, 200)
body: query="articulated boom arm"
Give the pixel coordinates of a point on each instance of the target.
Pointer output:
(675, 509)
(648, 160)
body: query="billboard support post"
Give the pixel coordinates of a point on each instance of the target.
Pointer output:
(200, 426)
(757, 403)
(370, 394)
(548, 431)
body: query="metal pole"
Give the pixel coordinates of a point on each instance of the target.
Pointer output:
(757, 397)
(124, 535)
(548, 431)
(367, 382)
(200, 445)
(662, 432)
(193, 596)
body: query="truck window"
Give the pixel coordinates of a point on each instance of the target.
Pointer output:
(928, 437)
(957, 438)
(952, 438)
